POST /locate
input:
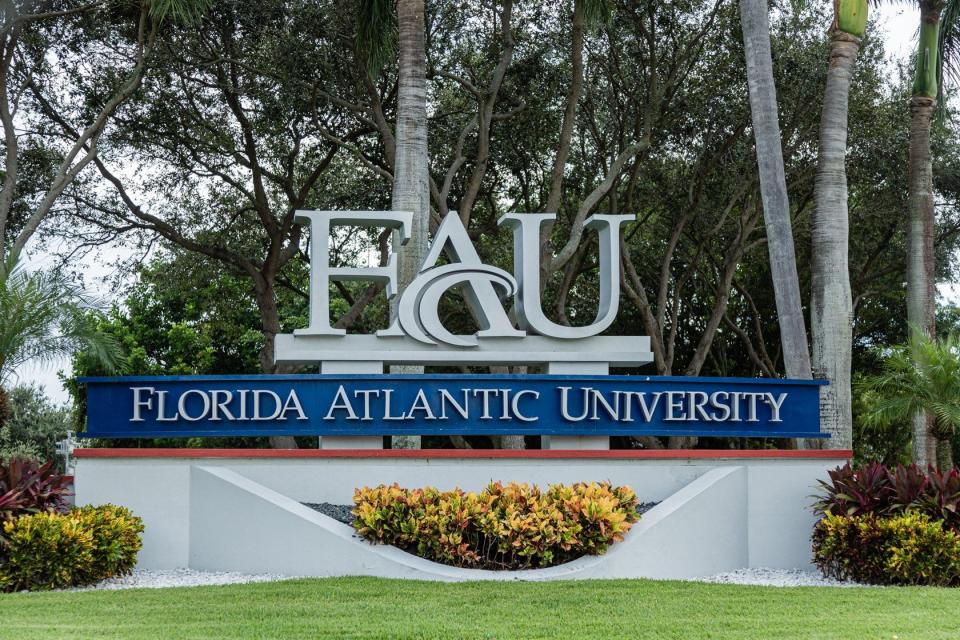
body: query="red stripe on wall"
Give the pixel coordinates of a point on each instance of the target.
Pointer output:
(536, 454)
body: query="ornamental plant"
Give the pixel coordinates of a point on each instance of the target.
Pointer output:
(889, 526)
(505, 526)
(27, 487)
(923, 376)
(117, 540)
(51, 550)
(875, 489)
(905, 549)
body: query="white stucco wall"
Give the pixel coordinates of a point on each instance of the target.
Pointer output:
(244, 514)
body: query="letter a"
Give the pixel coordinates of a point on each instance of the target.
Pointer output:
(341, 402)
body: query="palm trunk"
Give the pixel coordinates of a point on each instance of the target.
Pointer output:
(831, 307)
(270, 326)
(508, 442)
(5, 409)
(512, 442)
(773, 187)
(944, 455)
(411, 187)
(920, 256)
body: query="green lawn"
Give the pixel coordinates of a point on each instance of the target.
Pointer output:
(373, 608)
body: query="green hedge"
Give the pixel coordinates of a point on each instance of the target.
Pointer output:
(55, 550)
(907, 549)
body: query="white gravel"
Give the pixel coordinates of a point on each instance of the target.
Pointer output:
(141, 579)
(777, 578)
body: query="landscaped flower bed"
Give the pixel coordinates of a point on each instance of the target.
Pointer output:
(889, 526)
(512, 526)
(45, 546)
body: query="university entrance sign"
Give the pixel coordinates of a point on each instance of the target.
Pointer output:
(353, 396)
(241, 509)
(368, 405)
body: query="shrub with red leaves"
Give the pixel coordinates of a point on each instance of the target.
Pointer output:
(26, 487)
(873, 489)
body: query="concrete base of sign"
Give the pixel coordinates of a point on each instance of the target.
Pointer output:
(233, 510)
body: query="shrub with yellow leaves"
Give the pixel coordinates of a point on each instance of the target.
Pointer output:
(505, 526)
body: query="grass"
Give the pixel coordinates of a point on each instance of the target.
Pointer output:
(375, 608)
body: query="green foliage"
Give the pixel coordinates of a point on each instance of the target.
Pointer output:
(873, 489)
(116, 539)
(42, 318)
(56, 550)
(45, 551)
(33, 426)
(884, 441)
(26, 487)
(185, 316)
(376, 39)
(187, 12)
(903, 549)
(512, 526)
(921, 376)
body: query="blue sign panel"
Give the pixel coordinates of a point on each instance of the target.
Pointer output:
(371, 405)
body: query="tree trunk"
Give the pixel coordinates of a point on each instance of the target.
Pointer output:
(508, 442)
(773, 187)
(411, 185)
(512, 442)
(831, 305)
(944, 455)
(555, 194)
(270, 326)
(920, 256)
(5, 408)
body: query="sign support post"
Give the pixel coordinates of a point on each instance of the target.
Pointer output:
(351, 442)
(577, 442)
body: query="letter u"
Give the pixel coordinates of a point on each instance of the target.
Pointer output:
(526, 270)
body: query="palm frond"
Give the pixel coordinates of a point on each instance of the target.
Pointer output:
(376, 40)
(948, 62)
(43, 317)
(596, 13)
(186, 12)
(921, 376)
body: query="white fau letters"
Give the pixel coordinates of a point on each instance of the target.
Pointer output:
(484, 286)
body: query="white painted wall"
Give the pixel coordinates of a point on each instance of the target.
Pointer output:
(243, 514)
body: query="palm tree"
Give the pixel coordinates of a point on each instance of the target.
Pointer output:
(411, 181)
(411, 184)
(831, 306)
(937, 51)
(43, 317)
(773, 187)
(923, 376)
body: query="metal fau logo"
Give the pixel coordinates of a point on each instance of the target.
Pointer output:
(483, 286)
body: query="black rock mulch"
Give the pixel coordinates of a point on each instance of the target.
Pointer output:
(643, 507)
(340, 512)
